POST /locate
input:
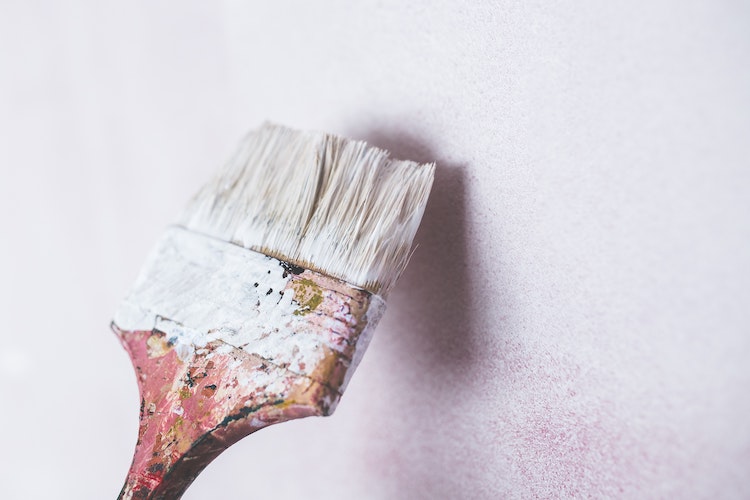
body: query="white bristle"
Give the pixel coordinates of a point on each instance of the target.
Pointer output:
(318, 201)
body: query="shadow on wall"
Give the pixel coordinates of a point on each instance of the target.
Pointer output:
(433, 350)
(437, 280)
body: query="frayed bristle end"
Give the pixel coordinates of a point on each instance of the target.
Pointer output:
(318, 201)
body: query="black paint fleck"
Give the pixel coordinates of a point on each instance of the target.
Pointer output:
(290, 268)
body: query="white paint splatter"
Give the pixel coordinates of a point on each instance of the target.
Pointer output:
(197, 289)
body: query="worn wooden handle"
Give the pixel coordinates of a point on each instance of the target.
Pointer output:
(194, 407)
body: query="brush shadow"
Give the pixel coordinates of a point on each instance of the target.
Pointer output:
(434, 342)
(436, 283)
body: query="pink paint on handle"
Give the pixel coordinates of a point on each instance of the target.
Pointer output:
(195, 407)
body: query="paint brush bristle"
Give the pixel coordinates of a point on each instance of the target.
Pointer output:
(319, 201)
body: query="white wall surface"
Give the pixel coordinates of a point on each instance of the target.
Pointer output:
(574, 324)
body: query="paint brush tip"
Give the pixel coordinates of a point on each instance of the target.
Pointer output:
(319, 201)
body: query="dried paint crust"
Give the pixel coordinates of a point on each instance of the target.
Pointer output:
(194, 407)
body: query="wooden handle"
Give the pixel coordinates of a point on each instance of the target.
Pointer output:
(194, 408)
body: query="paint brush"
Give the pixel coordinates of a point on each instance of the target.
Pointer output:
(257, 306)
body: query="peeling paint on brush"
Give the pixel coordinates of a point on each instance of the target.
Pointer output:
(196, 289)
(226, 341)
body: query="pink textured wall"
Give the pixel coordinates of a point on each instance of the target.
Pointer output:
(574, 323)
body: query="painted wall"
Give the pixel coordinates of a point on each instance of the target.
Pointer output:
(574, 322)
